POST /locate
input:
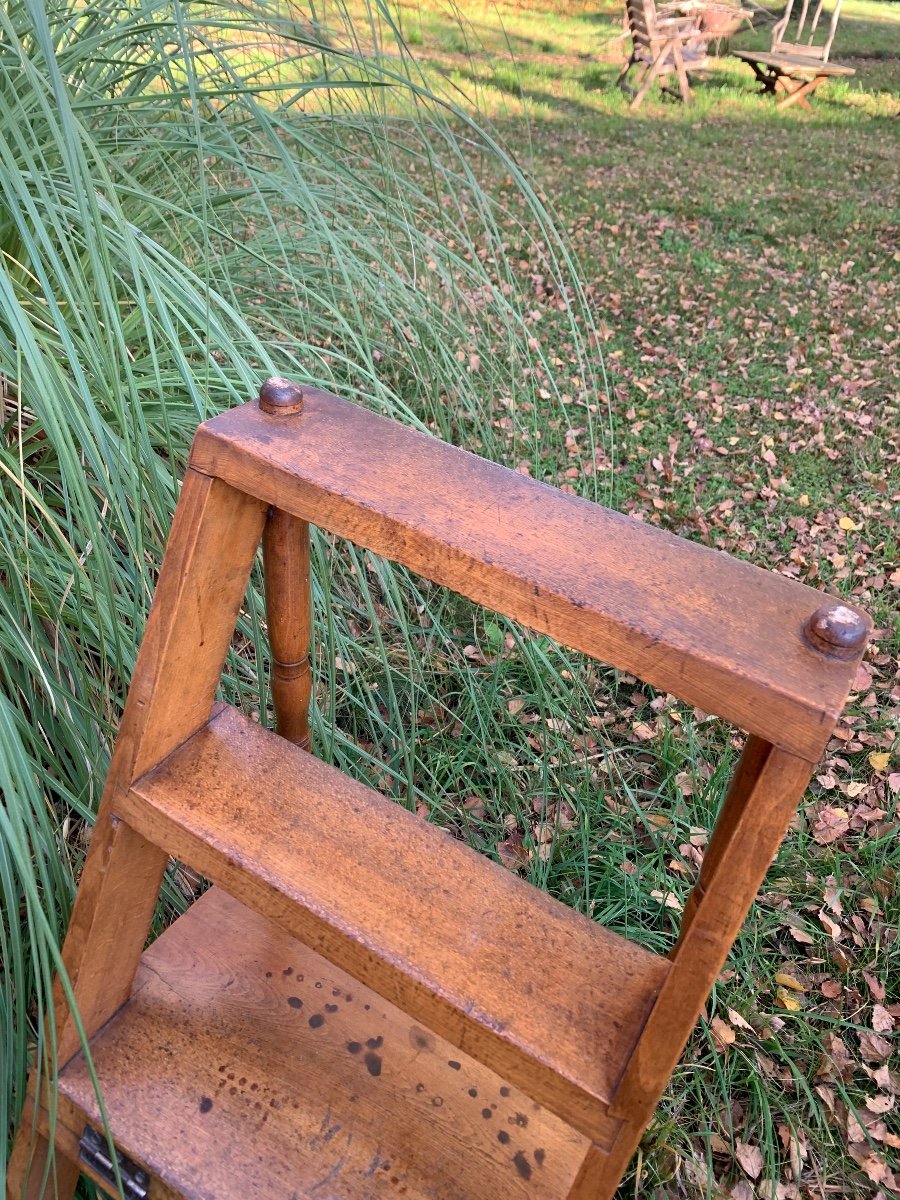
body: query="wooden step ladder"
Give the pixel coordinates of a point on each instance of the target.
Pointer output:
(362, 1006)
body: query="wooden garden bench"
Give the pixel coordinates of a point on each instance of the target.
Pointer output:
(793, 66)
(363, 1006)
(660, 47)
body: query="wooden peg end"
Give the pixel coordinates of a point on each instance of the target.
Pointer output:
(280, 397)
(837, 629)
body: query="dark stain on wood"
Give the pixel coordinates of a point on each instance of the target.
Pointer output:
(316, 1021)
(522, 1165)
(419, 1039)
(205, 1104)
(295, 1002)
(373, 1063)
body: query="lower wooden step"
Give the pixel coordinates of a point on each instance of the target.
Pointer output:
(548, 999)
(246, 1067)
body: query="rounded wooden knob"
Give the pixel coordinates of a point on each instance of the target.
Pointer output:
(837, 629)
(281, 397)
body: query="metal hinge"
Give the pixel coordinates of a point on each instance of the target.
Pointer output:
(95, 1154)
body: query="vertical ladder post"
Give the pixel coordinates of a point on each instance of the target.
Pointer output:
(288, 601)
(214, 538)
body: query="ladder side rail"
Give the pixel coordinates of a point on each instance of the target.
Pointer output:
(764, 793)
(202, 581)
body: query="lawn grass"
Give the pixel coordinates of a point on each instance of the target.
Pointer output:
(741, 265)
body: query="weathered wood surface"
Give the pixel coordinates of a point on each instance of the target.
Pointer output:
(246, 1067)
(201, 585)
(543, 995)
(794, 64)
(588, 1026)
(717, 632)
(28, 1164)
(660, 46)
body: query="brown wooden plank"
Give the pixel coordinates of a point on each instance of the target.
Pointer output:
(794, 65)
(543, 995)
(715, 631)
(246, 1067)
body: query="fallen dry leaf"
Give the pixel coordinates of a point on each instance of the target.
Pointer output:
(513, 853)
(882, 1021)
(876, 987)
(787, 1000)
(830, 824)
(873, 1165)
(742, 1190)
(723, 1034)
(874, 1048)
(736, 1019)
(830, 926)
(750, 1158)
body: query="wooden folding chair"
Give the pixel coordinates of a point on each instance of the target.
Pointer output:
(363, 1006)
(661, 46)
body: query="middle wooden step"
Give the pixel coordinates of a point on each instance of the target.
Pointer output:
(545, 997)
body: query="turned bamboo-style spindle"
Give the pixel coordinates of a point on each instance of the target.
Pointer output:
(288, 607)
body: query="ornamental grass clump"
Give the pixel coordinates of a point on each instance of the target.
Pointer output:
(191, 198)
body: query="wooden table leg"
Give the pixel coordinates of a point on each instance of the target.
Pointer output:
(767, 78)
(798, 94)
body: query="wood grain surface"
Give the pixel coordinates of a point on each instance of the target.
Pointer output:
(543, 995)
(713, 630)
(246, 1067)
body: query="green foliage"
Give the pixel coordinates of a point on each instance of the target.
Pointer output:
(190, 198)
